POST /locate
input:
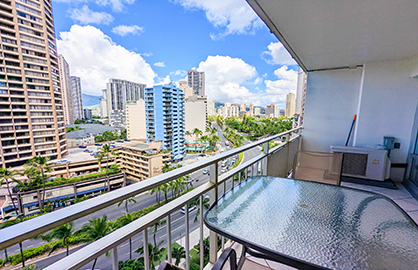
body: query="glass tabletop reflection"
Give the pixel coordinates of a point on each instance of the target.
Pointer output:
(324, 225)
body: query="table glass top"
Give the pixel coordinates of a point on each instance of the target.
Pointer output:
(329, 226)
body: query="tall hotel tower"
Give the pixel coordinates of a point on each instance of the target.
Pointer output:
(164, 107)
(196, 80)
(31, 110)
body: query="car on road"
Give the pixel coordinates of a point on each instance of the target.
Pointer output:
(202, 155)
(191, 209)
(224, 170)
(88, 151)
(82, 146)
(126, 140)
(222, 150)
(226, 143)
(63, 161)
(206, 171)
(98, 144)
(121, 141)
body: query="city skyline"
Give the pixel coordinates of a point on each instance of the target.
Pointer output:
(128, 46)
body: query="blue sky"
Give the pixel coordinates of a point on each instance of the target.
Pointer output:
(157, 41)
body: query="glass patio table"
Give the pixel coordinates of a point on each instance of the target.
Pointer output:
(311, 225)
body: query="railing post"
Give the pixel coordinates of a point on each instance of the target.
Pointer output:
(202, 250)
(115, 262)
(265, 160)
(169, 238)
(146, 250)
(213, 245)
(187, 238)
(287, 152)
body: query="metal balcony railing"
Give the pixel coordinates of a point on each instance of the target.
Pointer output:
(217, 184)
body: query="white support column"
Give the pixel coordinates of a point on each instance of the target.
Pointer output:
(202, 250)
(115, 262)
(146, 251)
(213, 237)
(187, 237)
(169, 238)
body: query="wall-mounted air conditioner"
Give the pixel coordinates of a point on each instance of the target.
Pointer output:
(358, 162)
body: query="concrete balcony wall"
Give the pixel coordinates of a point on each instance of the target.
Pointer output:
(385, 104)
(280, 162)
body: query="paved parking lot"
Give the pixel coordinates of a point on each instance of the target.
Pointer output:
(77, 154)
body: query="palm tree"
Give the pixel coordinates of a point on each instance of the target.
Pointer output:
(5, 176)
(178, 253)
(127, 218)
(155, 229)
(128, 200)
(155, 254)
(156, 190)
(105, 151)
(196, 202)
(196, 132)
(178, 185)
(63, 233)
(95, 229)
(166, 168)
(164, 188)
(42, 164)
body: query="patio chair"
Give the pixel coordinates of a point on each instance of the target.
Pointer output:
(318, 167)
(165, 265)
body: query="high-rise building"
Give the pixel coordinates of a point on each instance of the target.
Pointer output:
(188, 91)
(164, 106)
(88, 114)
(135, 120)
(77, 97)
(67, 97)
(251, 109)
(271, 110)
(196, 80)
(211, 108)
(290, 105)
(31, 116)
(230, 110)
(196, 116)
(103, 105)
(119, 92)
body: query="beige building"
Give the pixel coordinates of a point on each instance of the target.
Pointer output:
(31, 104)
(103, 105)
(195, 110)
(211, 108)
(251, 110)
(187, 90)
(135, 120)
(141, 160)
(257, 111)
(67, 98)
(230, 110)
(290, 105)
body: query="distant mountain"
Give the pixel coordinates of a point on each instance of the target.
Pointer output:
(89, 100)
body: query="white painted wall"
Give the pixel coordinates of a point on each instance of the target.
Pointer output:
(388, 105)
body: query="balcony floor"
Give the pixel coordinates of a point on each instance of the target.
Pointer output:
(401, 196)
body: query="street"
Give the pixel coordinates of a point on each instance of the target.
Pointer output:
(143, 200)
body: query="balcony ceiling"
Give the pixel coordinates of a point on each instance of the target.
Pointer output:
(322, 34)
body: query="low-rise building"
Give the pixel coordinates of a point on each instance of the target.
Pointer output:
(141, 160)
(87, 133)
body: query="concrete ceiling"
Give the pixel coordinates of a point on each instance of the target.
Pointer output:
(328, 34)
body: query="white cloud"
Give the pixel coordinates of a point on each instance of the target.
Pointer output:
(232, 16)
(88, 16)
(147, 54)
(159, 64)
(124, 30)
(277, 55)
(178, 73)
(116, 5)
(163, 81)
(226, 78)
(97, 59)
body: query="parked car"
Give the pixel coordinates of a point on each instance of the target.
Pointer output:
(96, 153)
(113, 145)
(82, 146)
(111, 142)
(98, 144)
(63, 161)
(206, 171)
(88, 151)
(183, 209)
(202, 155)
(121, 141)
(126, 140)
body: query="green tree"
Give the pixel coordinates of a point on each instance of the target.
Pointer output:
(196, 132)
(155, 254)
(41, 163)
(178, 185)
(126, 219)
(95, 229)
(178, 253)
(196, 202)
(105, 151)
(128, 200)
(63, 233)
(7, 175)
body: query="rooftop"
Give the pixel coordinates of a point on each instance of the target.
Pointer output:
(95, 129)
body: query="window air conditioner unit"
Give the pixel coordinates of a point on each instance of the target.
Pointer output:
(359, 162)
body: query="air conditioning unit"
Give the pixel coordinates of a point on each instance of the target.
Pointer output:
(359, 162)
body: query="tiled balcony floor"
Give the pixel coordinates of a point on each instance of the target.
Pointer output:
(401, 196)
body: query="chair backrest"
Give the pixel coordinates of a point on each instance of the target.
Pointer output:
(168, 266)
(318, 167)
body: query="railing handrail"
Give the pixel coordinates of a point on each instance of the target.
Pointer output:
(29, 229)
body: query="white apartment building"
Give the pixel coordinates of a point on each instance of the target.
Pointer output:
(196, 80)
(118, 93)
(290, 105)
(196, 116)
(211, 108)
(230, 110)
(103, 105)
(67, 97)
(188, 91)
(77, 97)
(135, 120)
